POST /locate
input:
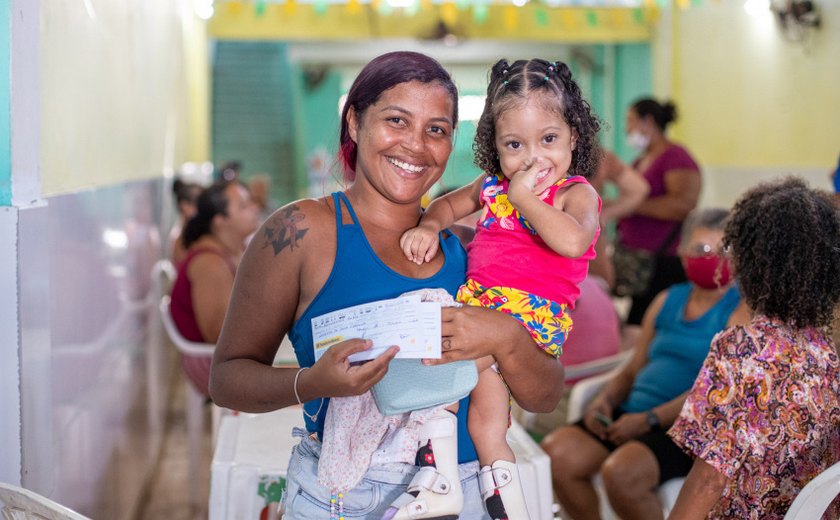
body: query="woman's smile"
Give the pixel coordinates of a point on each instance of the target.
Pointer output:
(406, 166)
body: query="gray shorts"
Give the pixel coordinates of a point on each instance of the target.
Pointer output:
(306, 499)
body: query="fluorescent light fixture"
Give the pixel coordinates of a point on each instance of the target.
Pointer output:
(757, 7)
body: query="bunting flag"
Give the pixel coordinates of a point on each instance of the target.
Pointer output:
(590, 13)
(449, 13)
(480, 13)
(259, 8)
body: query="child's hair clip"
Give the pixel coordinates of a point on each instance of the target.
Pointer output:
(505, 82)
(545, 78)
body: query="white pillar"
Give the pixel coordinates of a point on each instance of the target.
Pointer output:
(19, 189)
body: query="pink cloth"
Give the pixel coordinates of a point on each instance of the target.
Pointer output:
(597, 330)
(506, 252)
(197, 369)
(357, 436)
(648, 233)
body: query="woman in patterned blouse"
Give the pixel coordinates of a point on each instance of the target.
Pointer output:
(763, 416)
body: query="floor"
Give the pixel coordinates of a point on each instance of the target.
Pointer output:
(168, 495)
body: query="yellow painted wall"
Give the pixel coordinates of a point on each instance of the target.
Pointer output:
(123, 91)
(752, 104)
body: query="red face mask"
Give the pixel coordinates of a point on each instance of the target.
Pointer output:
(703, 271)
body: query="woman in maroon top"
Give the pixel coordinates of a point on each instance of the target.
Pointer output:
(215, 240)
(674, 179)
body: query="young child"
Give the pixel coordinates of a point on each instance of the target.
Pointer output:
(536, 143)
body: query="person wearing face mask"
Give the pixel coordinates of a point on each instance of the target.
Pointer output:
(623, 432)
(675, 181)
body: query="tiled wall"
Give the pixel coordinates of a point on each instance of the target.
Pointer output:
(95, 370)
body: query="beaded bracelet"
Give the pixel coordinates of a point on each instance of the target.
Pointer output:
(313, 418)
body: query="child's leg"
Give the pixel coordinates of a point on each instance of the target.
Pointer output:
(501, 488)
(488, 418)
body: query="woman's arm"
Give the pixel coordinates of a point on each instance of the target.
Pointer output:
(618, 388)
(699, 493)
(447, 209)
(633, 189)
(283, 268)
(534, 378)
(682, 190)
(420, 244)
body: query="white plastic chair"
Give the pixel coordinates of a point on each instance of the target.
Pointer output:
(163, 276)
(194, 399)
(816, 496)
(597, 366)
(17, 503)
(583, 392)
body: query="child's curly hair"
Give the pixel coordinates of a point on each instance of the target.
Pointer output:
(510, 84)
(784, 239)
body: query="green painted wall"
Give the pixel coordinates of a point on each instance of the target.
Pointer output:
(633, 79)
(253, 112)
(316, 93)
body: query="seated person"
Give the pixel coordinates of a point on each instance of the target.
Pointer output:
(595, 335)
(622, 434)
(763, 416)
(215, 240)
(186, 195)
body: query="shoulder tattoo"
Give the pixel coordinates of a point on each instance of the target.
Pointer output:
(284, 230)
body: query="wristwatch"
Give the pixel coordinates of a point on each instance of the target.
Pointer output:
(652, 420)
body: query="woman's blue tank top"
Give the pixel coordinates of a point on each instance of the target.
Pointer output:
(678, 348)
(359, 276)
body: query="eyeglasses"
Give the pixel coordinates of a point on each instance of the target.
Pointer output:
(705, 250)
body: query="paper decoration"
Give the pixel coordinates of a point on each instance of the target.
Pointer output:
(449, 13)
(480, 13)
(354, 7)
(290, 7)
(541, 16)
(234, 8)
(511, 17)
(569, 19)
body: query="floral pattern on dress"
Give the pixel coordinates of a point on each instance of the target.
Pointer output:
(765, 412)
(547, 321)
(497, 209)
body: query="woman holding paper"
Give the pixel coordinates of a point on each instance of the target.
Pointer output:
(317, 256)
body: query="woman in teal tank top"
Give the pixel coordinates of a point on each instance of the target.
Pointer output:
(313, 256)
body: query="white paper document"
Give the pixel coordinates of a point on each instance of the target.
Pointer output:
(412, 325)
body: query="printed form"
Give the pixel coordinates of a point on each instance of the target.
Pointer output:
(406, 321)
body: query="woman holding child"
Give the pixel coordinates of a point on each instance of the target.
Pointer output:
(316, 256)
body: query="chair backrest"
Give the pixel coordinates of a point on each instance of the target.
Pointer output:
(816, 496)
(17, 503)
(163, 276)
(184, 345)
(575, 373)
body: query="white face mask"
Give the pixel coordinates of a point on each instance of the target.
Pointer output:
(638, 140)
